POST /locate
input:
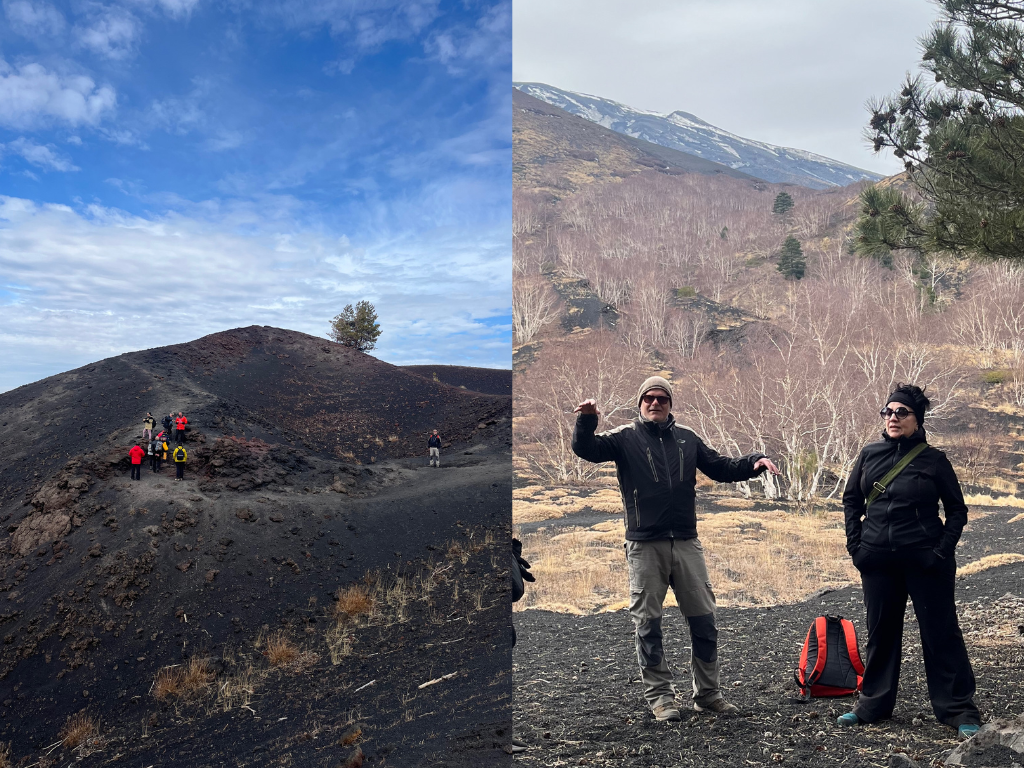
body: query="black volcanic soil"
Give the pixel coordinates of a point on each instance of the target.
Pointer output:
(579, 701)
(490, 381)
(106, 581)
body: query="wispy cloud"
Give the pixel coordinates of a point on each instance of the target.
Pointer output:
(113, 34)
(32, 96)
(34, 18)
(44, 156)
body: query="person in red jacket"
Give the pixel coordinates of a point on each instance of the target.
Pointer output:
(136, 455)
(179, 432)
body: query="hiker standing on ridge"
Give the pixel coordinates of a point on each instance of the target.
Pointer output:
(136, 454)
(168, 425)
(434, 445)
(179, 431)
(902, 548)
(148, 427)
(154, 453)
(180, 456)
(656, 461)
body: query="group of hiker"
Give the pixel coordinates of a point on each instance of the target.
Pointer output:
(895, 537)
(158, 445)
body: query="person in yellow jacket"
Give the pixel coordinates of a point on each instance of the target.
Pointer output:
(180, 456)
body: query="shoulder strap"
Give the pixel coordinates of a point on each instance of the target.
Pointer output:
(879, 488)
(821, 630)
(851, 647)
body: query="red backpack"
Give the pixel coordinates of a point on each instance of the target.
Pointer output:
(830, 663)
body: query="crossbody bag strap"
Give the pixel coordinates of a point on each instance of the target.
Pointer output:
(879, 488)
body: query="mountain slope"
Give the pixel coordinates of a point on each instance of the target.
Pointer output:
(553, 149)
(306, 473)
(689, 134)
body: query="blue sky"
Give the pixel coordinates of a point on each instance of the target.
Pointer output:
(172, 168)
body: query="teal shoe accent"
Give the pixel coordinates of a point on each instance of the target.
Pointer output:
(850, 718)
(967, 730)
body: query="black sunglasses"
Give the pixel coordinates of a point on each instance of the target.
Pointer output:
(899, 413)
(661, 399)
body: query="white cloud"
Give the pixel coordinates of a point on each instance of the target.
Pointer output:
(366, 24)
(80, 285)
(31, 96)
(45, 157)
(489, 42)
(34, 18)
(112, 35)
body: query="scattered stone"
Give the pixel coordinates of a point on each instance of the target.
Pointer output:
(211, 575)
(244, 514)
(96, 550)
(276, 518)
(901, 760)
(184, 566)
(1002, 737)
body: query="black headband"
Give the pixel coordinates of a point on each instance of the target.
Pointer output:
(908, 400)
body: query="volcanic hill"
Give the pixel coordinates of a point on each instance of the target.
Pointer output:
(311, 594)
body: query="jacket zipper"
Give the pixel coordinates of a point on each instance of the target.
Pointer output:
(664, 455)
(888, 507)
(650, 460)
(636, 508)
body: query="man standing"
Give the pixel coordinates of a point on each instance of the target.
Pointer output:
(148, 427)
(180, 457)
(179, 431)
(656, 462)
(434, 444)
(168, 423)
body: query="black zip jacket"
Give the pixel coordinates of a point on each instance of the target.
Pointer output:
(906, 516)
(433, 441)
(657, 464)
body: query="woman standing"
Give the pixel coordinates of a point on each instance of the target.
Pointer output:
(902, 548)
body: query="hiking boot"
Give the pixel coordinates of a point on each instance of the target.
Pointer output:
(850, 718)
(667, 713)
(718, 706)
(967, 730)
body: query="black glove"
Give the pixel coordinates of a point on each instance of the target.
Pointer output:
(524, 566)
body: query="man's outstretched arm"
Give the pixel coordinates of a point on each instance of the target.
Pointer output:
(585, 443)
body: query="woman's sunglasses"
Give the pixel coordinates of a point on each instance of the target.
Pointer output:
(660, 399)
(899, 413)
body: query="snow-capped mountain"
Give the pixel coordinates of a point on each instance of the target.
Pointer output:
(688, 133)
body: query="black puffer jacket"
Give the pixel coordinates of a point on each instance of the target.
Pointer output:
(906, 516)
(657, 469)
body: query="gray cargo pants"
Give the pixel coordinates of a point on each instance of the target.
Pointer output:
(654, 566)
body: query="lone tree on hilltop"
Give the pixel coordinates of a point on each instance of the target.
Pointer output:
(791, 259)
(356, 327)
(783, 204)
(961, 141)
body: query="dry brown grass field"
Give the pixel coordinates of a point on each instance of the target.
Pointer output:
(754, 558)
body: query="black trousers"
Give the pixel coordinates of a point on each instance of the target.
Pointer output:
(136, 471)
(179, 435)
(180, 470)
(888, 579)
(154, 463)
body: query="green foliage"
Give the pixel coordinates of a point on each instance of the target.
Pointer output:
(783, 204)
(792, 263)
(996, 376)
(356, 326)
(962, 143)
(686, 292)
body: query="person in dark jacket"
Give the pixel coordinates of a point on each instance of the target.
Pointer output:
(656, 461)
(136, 454)
(168, 424)
(180, 456)
(434, 448)
(519, 574)
(902, 548)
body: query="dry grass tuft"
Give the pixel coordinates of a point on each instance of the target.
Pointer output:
(754, 558)
(1016, 518)
(281, 649)
(78, 729)
(351, 736)
(237, 690)
(183, 681)
(5, 754)
(984, 500)
(355, 760)
(353, 601)
(989, 561)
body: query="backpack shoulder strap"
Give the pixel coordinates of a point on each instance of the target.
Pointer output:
(851, 647)
(879, 488)
(821, 630)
